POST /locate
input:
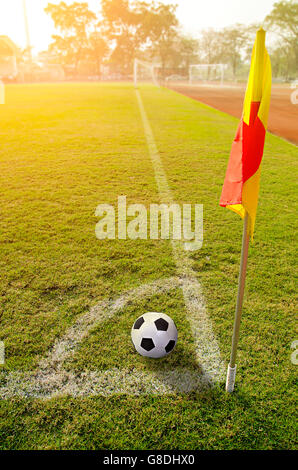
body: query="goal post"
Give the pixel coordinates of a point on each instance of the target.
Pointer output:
(207, 73)
(144, 72)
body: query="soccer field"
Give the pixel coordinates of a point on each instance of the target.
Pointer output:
(71, 378)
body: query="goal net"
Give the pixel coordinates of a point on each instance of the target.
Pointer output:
(204, 73)
(145, 72)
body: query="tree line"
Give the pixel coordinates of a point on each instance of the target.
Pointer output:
(125, 30)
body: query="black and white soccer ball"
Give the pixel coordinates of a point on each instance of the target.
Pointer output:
(154, 334)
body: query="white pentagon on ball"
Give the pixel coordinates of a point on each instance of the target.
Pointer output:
(154, 334)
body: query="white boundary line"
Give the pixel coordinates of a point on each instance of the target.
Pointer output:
(52, 379)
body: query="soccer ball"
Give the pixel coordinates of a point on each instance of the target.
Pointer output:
(154, 334)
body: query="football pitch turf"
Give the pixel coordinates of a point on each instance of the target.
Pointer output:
(67, 148)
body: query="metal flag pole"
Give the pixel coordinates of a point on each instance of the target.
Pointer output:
(256, 97)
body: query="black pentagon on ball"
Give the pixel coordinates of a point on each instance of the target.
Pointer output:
(161, 324)
(147, 344)
(139, 322)
(170, 345)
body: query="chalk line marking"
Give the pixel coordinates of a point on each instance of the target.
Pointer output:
(206, 346)
(52, 379)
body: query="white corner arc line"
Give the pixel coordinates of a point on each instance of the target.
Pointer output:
(64, 347)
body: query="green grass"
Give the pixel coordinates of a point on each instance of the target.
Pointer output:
(64, 150)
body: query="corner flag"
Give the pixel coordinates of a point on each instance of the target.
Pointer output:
(241, 186)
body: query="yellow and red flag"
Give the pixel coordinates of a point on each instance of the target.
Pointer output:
(241, 186)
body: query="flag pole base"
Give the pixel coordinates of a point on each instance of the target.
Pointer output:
(231, 375)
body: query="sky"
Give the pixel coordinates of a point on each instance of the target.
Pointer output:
(194, 15)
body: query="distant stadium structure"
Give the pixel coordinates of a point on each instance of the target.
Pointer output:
(8, 59)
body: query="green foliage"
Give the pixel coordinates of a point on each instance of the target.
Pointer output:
(122, 24)
(284, 20)
(97, 50)
(187, 52)
(74, 41)
(74, 18)
(160, 26)
(234, 41)
(284, 17)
